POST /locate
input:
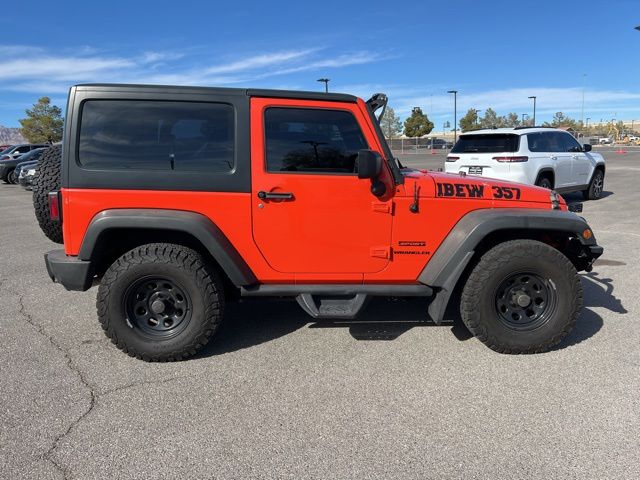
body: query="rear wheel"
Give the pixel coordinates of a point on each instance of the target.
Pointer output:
(596, 186)
(47, 179)
(544, 182)
(523, 296)
(160, 302)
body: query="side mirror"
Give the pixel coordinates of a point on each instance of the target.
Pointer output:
(586, 147)
(369, 164)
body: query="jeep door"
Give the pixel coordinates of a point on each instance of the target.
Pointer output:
(311, 213)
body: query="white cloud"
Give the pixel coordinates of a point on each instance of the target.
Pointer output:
(31, 69)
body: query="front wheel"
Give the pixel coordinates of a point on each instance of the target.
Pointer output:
(523, 296)
(160, 302)
(12, 177)
(596, 186)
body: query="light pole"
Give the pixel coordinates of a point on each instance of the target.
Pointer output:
(584, 77)
(477, 116)
(524, 115)
(587, 125)
(455, 114)
(534, 109)
(326, 83)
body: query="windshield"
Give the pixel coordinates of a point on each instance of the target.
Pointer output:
(487, 143)
(6, 151)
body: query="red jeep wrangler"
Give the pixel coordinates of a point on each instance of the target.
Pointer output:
(175, 198)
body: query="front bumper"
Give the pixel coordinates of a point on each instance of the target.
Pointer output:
(71, 272)
(593, 253)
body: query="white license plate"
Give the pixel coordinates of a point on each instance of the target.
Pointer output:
(475, 170)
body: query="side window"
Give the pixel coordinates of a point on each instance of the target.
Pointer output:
(23, 149)
(157, 135)
(312, 140)
(539, 142)
(570, 143)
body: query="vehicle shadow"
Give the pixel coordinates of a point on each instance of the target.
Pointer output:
(258, 320)
(597, 292)
(576, 197)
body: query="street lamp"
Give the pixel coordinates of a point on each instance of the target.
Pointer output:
(534, 109)
(455, 114)
(477, 116)
(584, 77)
(326, 84)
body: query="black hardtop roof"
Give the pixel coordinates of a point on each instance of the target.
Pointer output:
(251, 92)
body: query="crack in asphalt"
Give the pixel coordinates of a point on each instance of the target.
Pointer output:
(146, 382)
(93, 395)
(48, 455)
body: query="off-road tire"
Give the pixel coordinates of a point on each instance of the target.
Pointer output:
(47, 179)
(478, 305)
(183, 266)
(596, 186)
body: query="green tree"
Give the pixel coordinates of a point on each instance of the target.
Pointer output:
(512, 120)
(470, 120)
(491, 119)
(418, 124)
(561, 120)
(390, 123)
(43, 123)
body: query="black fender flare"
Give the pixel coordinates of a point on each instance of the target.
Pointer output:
(195, 224)
(443, 270)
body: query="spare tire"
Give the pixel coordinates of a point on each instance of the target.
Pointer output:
(47, 179)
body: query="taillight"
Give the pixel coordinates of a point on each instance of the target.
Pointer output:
(511, 159)
(452, 159)
(54, 206)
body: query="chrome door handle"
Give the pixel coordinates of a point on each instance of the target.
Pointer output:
(553, 157)
(262, 195)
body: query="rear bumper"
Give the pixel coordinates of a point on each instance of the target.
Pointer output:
(71, 272)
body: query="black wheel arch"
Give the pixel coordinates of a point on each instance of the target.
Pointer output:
(479, 231)
(114, 232)
(546, 172)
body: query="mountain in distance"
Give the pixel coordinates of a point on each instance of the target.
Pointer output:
(10, 136)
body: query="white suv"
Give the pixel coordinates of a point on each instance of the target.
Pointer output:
(546, 157)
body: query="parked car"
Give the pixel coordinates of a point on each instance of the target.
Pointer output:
(605, 141)
(27, 175)
(17, 150)
(546, 157)
(8, 171)
(439, 144)
(4, 147)
(163, 206)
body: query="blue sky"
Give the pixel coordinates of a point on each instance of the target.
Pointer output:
(495, 53)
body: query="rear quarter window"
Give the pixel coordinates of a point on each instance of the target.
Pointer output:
(156, 135)
(489, 143)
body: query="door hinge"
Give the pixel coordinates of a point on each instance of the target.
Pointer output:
(386, 207)
(381, 252)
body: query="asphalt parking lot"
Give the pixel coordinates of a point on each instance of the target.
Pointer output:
(277, 395)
